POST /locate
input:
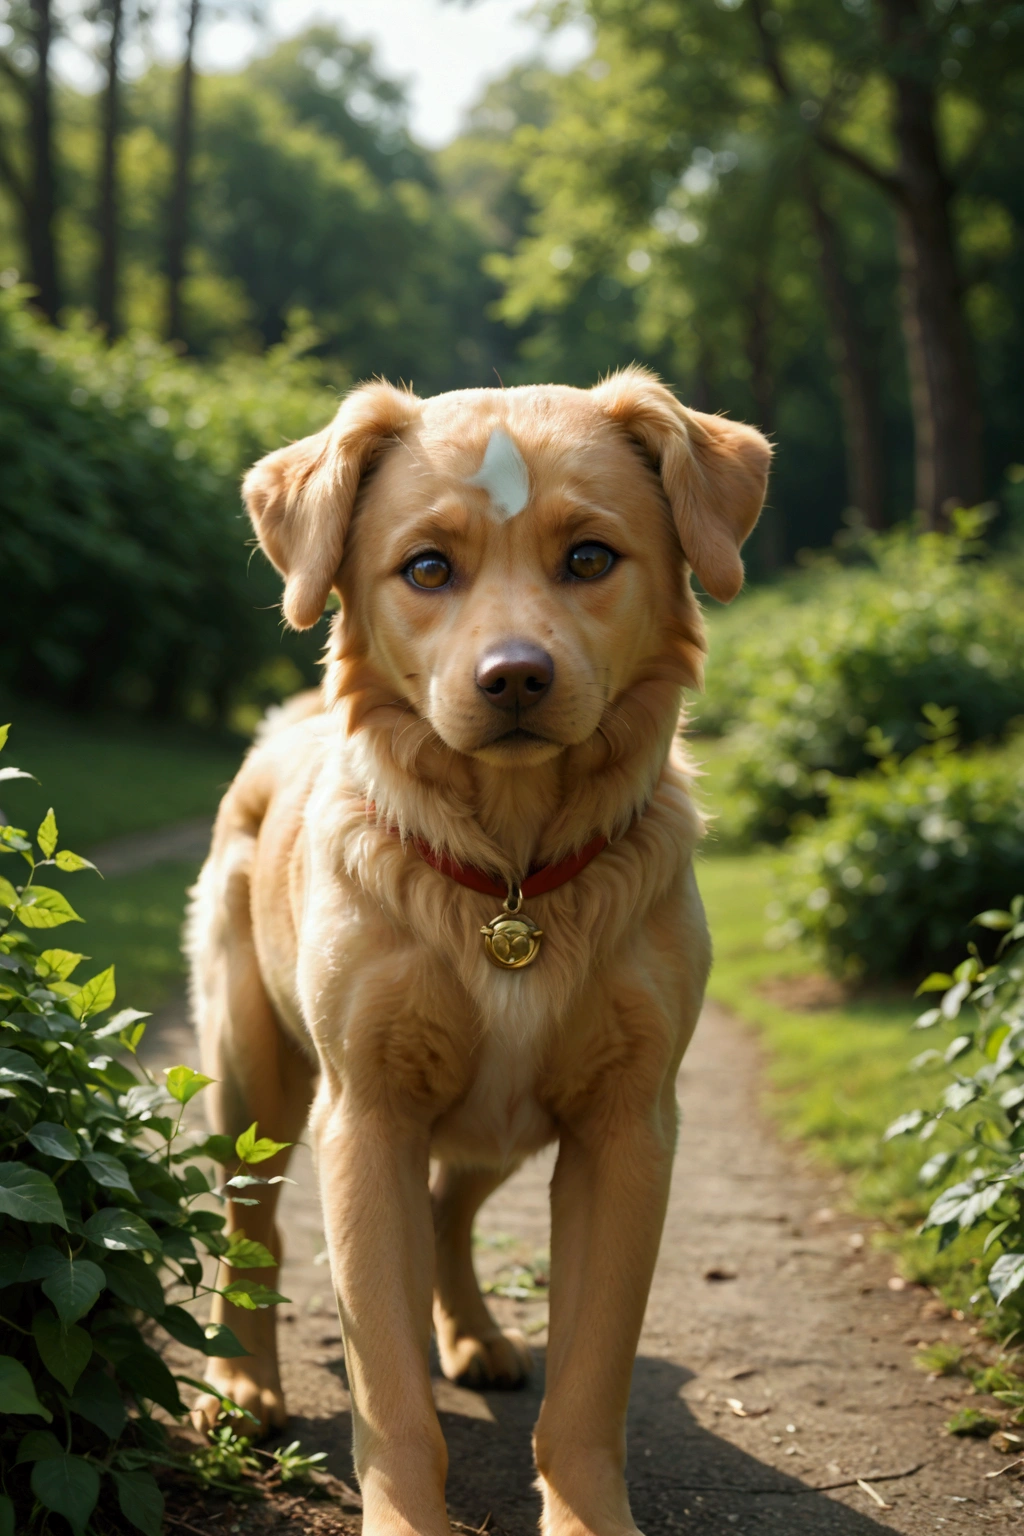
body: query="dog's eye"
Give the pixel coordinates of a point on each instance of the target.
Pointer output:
(429, 571)
(589, 560)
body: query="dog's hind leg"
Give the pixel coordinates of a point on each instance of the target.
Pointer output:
(473, 1350)
(259, 1075)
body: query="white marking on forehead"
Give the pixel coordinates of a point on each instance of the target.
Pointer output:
(503, 475)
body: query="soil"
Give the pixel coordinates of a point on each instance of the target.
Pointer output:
(775, 1367)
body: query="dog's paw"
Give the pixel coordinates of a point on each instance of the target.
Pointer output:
(500, 1359)
(263, 1400)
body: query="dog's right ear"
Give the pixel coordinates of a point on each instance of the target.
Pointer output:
(300, 498)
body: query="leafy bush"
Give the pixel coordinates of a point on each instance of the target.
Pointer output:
(120, 515)
(979, 1122)
(882, 883)
(101, 1223)
(816, 672)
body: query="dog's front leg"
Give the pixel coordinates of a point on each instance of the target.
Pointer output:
(374, 1169)
(608, 1199)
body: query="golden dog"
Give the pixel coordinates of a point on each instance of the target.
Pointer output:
(502, 693)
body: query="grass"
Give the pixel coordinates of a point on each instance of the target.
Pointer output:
(838, 1065)
(134, 923)
(106, 779)
(110, 779)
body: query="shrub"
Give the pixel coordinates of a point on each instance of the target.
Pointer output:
(811, 685)
(882, 883)
(100, 1225)
(120, 518)
(979, 1122)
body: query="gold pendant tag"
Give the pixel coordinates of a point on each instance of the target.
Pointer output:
(512, 940)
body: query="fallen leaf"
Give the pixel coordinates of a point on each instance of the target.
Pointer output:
(872, 1493)
(719, 1272)
(745, 1413)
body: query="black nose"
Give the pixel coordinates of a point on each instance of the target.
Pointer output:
(515, 674)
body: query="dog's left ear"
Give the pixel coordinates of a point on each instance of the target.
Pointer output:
(300, 498)
(714, 472)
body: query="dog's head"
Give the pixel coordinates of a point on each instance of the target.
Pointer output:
(510, 562)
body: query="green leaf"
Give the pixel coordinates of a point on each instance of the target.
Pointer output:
(74, 1287)
(117, 1024)
(68, 1485)
(95, 996)
(64, 1351)
(6, 1516)
(994, 919)
(46, 837)
(108, 1171)
(17, 1067)
(246, 1253)
(121, 1231)
(17, 1394)
(938, 981)
(220, 1148)
(183, 1084)
(250, 1294)
(141, 1501)
(4, 729)
(250, 1150)
(28, 1195)
(41, 907)
(69, 861)
(1006, 1276)
(60, 963)
(97, 1400)
(148, 1377)
(135, 1282)
(181, 1325)
(55, 1141)
(904, 1124)
(8, 895)
(221, 1343)
(36, 1446)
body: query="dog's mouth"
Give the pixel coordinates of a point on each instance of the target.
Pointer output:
(520, 738)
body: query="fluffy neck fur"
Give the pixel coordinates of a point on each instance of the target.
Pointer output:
(505, 820)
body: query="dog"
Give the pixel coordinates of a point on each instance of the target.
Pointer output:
(450, 913)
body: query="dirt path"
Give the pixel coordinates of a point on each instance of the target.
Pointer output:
(808, 1329)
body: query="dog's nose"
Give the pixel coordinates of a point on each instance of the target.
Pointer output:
(515, 674)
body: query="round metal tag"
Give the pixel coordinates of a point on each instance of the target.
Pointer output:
(512, 940)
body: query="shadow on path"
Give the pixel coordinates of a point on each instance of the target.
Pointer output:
(681, 1476)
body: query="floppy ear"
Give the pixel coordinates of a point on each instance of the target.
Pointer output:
(714, 472)
(300, 498)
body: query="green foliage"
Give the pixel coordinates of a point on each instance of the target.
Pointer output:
(824, 675)
(882, 884)
(972, 1141)
(119, 512)
(102, 1230)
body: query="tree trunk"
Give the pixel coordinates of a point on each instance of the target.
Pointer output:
(107, 270)
(858, 388)
(771, 541)
(42, 199)
(177, 233)
(943, 385)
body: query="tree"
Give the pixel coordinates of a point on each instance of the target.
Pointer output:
(107, 266)
(28, 172)
(179, 208)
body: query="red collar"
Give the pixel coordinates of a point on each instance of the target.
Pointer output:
(537, 883)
